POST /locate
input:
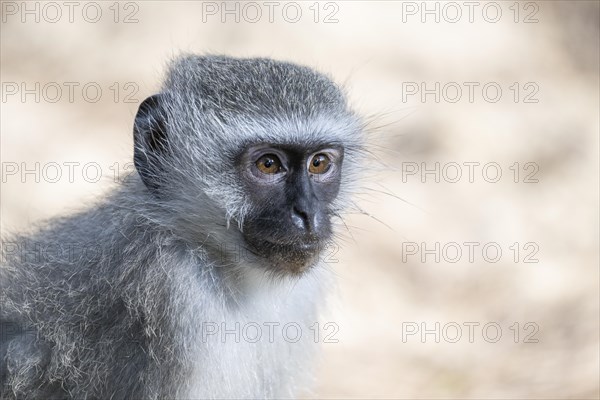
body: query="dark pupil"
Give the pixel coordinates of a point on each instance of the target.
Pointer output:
(269, 162)
(317, 161)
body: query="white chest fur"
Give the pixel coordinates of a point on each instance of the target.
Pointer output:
(262, 347)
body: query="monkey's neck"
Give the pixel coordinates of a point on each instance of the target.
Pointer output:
(257, 290)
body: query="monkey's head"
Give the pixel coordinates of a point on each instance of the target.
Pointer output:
(272, 146)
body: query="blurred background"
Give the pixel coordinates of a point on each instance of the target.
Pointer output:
(473, 271)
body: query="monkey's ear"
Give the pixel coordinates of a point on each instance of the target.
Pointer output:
(150, 140)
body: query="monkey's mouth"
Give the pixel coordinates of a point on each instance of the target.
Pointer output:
(294, 258)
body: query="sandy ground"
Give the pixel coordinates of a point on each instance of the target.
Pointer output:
(418, 315)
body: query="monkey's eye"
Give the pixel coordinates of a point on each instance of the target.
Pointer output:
(269, 164)
(319, 164)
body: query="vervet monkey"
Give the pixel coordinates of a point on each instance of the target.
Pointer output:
(240, 166)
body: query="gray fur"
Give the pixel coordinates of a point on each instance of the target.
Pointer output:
(109, 302)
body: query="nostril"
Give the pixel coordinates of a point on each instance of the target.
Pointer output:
(299, 212)
(300, 218)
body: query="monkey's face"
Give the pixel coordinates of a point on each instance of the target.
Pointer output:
(291, 189)
(256, 142)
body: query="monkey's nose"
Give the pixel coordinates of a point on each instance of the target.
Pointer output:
(302, 219)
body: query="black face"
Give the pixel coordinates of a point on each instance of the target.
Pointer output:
(292, 188)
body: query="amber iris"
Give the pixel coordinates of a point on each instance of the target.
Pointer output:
(268, 164)
(319, 164)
